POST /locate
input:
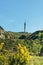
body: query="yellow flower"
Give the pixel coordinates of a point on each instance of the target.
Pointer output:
(2, 43)
(21, 59)
(24, 47)
(1, 46)
(22, 51)
(19, 45)
(21, 54)
(5, 63)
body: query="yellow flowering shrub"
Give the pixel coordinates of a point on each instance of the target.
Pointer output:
(21, 55)
(1, 46)
(4, 59)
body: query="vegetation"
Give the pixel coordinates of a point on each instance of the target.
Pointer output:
(36, 60)
(19, 48)
(19, 56)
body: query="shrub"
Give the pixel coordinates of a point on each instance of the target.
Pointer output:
(21, 55)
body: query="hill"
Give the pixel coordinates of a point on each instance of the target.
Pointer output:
(36, 35)
(14, 35)
(33, 41)
(2, 36)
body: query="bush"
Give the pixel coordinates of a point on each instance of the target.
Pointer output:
(21, 56)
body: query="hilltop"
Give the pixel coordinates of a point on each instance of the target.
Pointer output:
(13, 35)
(36, 35)
(22, 35)
(33, 41)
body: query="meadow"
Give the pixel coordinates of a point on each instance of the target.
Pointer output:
(36, 60)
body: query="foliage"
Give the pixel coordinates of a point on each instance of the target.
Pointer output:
(1, 46)
(21, 56)
(36, 60)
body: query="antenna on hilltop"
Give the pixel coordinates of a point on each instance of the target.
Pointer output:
(25, 26)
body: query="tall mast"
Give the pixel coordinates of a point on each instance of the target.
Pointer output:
(24, 26)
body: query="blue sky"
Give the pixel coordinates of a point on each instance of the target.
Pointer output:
(13, 14)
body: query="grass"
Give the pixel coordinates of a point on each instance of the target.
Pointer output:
(36, 60)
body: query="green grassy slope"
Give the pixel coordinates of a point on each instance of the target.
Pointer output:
(36, 60)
